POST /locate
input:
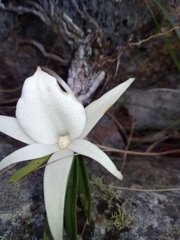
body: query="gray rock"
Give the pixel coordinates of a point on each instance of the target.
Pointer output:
(142, 215)
(22, 210)
(153, 109)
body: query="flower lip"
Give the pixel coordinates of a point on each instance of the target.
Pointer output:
(64, 142)
(45, 112)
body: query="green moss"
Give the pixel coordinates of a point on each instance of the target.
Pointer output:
(120, 219)
(107, 193)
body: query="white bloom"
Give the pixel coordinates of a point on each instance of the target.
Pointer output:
(52, 121)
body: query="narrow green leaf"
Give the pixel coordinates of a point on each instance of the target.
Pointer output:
(160, 6)
(31, 166)
(84, 187)
(71, 201)
(10, 90)
(166, 42)
(47, 233)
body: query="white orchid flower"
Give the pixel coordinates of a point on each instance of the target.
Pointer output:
(52, 121)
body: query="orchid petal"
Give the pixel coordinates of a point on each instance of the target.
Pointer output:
(45, 112)
(88, 149)
(97, 109)
(10, 126)
(29, 152)
(55, 181)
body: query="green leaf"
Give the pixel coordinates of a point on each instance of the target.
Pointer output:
(71, 201)
(31, 166)
(78, 182)
(10, 90)
(166, 42)
(160, 6)
(84, 187)
(47, 233)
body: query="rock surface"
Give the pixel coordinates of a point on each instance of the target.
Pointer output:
(142, 215)
(22, 211)
(145, 215)
(152, 109)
